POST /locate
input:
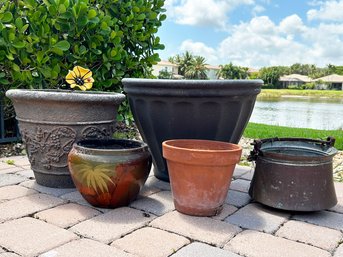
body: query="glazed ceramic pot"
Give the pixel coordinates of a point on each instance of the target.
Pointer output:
(189, 109)
(51, 121)
(200, 174)
(109, 173)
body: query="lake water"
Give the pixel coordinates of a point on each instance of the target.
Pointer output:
(316, 113)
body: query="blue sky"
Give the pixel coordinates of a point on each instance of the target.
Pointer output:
(255, 33)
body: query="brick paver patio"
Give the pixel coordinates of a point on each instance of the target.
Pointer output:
(46, 222)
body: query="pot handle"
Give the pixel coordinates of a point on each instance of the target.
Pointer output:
(329, 142)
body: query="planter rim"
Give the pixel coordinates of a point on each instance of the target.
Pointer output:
(230, 146)
(139, 146)
(191, 88)
(291, 150)
(192, 82)
(64, 95)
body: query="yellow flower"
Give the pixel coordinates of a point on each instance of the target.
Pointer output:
(80, 77)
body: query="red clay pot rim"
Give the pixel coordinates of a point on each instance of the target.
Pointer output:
(234, 147)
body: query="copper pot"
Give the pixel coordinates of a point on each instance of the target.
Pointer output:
(294, 174)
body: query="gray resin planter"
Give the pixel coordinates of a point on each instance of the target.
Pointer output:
(189, 109)
(50, 121)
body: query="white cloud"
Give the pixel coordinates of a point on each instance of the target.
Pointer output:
(292, 25)
(258, 9)
(204, 12)
(260, 42)
(199, 48)
(260, 25)
(329, 11)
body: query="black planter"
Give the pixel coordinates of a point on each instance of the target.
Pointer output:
(190, 109)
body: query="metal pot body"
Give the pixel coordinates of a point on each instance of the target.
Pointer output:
(294, 174)
(189, 109)
(50, 122)
(109, 173)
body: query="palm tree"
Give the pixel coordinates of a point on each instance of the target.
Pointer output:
(230, 71)
(197, 68)
(183, 61)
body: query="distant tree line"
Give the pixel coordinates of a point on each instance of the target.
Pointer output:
(271, 75)
(194, 67)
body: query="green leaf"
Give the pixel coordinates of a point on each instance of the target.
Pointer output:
(62, 45)
(113, 34)
(6, 17)
(24, 28)
(2, 55)
(153, 15)
(57, 51)
(82, 21)
(40, 56)
(52, 10)
(83, 49)
(113, 52)
(4, 82)
(94, 20)
(19, 23)
(10, 57)
(46, 72)
(2, 74)
(62, 8)
(57, 69)
(19, 44)
(11, 36)
(15, 67)
(104, 25)
(96, 51)
(141, 16)
(91, 14)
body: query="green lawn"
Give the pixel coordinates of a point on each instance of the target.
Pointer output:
(259, 131)
(308, 93)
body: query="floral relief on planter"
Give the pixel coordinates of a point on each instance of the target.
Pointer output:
(53, 146)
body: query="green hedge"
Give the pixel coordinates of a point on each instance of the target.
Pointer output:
(40, 40)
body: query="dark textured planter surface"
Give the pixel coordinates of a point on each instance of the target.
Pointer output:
(50, 121)
(190, 109)
(294, 174)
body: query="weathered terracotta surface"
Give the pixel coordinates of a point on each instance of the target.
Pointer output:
(109, 173)
(200, 174)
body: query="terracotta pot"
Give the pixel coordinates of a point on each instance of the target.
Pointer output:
(189, 109)
(109, 173)
(200, 173)
(51, 121)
